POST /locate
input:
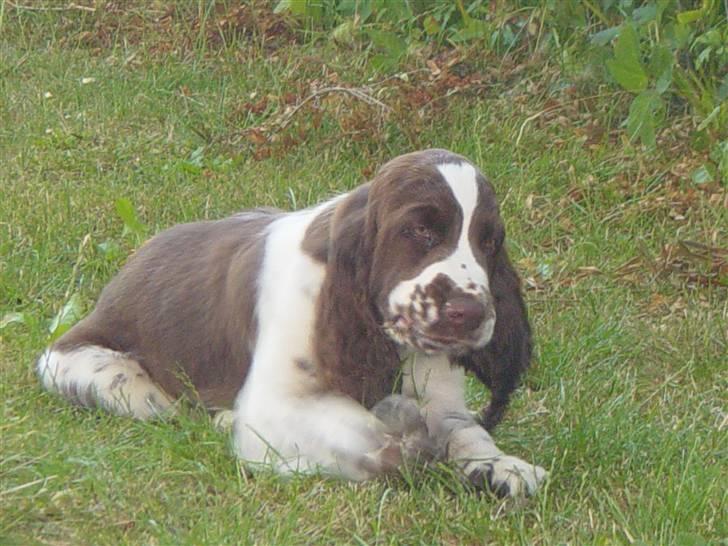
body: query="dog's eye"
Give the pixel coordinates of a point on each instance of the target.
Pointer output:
(422, 234)
(489, 245)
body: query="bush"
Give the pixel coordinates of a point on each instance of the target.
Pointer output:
(670, 58)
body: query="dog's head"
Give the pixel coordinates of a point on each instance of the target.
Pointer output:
(415, 263)
(436, 234)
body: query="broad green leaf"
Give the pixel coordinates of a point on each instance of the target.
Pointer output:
(289, 5)
(69, 314)
(641, 120)
(463, 12)
(383, 62)
(663, 82)
(364, 10)
(345, 33)
(300, 8)
(473, 29)
(605, 36)
(110, 249)
(630, 76)
(702, 175)
(125, 210)
(682, 35)
(627, 46)
(347, 8)
(703, 57)
(645, 14)
(625, 67)
(690, 16)
(660, 67)
(719, 154)
(392, 11)
(507, 35)
(389, 43)
(431, 25)
(352, 8)
(13, 318)
(709, 118)
(197, 157)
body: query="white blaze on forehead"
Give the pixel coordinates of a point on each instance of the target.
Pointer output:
(460, 266)
(461, 179)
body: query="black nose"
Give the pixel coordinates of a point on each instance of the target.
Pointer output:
(464, 312)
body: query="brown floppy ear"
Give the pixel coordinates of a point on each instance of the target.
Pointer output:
(354, 355)
(508, 354)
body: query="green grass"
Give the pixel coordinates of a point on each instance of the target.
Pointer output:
(626, 404)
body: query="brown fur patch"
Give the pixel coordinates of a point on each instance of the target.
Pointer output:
(183, 306)
(316, 240)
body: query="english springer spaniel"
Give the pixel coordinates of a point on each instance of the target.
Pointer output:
(300, 326)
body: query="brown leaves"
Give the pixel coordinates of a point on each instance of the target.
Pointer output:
(355, 110)
(257, 107)
(696, 263)
(173, 27)
(541, 277)
(251, 19)
(687, 263)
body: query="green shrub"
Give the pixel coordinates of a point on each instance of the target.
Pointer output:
(671, 56)
(660, 51)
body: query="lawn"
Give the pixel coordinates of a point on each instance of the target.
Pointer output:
(117, 123)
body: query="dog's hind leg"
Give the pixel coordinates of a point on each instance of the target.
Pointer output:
(94, 376)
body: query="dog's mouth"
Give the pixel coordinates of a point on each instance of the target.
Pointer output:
(434, 338)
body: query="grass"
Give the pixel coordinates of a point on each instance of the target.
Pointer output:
(626, 404)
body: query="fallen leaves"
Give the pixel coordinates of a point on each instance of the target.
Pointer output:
(251, 20)
(696, 263)
(687, 263)
(682, 263)
(407, 100)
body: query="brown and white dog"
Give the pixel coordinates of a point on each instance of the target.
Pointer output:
(303, 324)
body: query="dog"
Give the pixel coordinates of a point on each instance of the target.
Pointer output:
(300, 327)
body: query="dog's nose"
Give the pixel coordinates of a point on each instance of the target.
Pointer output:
(464, 312)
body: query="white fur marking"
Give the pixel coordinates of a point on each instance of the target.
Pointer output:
(461, 178)
(282, 416)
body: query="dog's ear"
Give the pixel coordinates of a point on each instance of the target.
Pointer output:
(354, 355)
(502, 361)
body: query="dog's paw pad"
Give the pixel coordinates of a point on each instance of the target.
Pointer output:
(506, 476)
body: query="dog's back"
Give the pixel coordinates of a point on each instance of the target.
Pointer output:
(181, 311)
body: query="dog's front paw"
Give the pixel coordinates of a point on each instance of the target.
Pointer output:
(403, 420)
(383, 460)
(505, 476)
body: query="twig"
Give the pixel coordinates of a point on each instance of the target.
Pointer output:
(354, 92)
(17, 65)
(537, 115)
(400, 76)
(26, 485)
(69, 7)
(453, 91)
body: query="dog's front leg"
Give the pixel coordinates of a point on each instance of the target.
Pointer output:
(440, 388)
(284, 420)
